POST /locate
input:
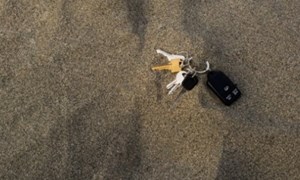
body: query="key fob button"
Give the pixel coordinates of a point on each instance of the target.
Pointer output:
(235, 91)
(223, 87)
(226, 88)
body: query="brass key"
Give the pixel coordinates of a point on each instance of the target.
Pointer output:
(174, 66)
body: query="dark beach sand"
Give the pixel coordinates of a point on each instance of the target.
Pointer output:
(78, 99)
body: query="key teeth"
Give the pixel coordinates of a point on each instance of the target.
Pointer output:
(170, 92)
(174, 89)
(171, 84)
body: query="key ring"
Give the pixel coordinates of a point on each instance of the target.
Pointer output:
(193, 69)
(206, 70)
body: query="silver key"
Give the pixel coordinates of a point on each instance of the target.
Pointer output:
(169, 56)
(175, 84)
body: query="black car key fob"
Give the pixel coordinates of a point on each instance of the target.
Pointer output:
(190, 82)
(223, 87)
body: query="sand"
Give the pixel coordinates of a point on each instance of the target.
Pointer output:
(78, 99)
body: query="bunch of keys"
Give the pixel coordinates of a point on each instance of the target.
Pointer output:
(186, 78)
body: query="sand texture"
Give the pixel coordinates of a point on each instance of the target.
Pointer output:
(78, 99)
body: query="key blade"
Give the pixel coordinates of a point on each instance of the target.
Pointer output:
(159, 51)
(173, 66)
(174, 88)
(171, 84)
(163, 67)
(169, 56)
(173, 57)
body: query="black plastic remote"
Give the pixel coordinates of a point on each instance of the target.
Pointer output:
(223, 87)
(189, 82)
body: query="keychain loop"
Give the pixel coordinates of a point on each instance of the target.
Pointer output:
(206, 69)
(193, 69)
